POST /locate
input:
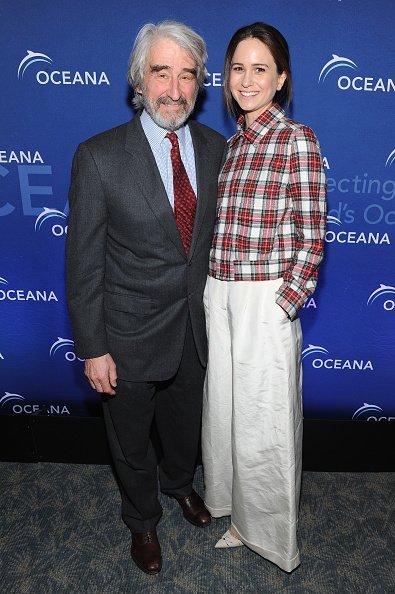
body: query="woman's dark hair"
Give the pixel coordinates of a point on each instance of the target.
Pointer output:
(277, 46)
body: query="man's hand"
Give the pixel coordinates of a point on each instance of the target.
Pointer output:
(102, 374)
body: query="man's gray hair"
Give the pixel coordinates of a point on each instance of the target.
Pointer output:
(184, 36)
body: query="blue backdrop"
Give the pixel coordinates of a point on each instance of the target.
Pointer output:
(63, 75)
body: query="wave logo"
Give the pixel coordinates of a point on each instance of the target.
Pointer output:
(335, 62)
(370, 412)
(332, 220)
(3, 281)
(313, 350)
(365, 410)
(382, 291)
(64, 343)
(31, 58)
(57, 229)
(390, 159)
(318, 357)
(8, 397)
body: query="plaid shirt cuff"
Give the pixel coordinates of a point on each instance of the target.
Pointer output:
(292, 297)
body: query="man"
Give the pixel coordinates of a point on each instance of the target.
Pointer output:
(142, 209)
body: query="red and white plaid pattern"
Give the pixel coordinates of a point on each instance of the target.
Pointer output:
(271, 208)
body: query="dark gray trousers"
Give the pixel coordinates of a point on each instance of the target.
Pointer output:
(174, 406)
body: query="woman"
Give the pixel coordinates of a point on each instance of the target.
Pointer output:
(268, 244)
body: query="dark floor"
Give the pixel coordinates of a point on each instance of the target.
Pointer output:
(60, 532)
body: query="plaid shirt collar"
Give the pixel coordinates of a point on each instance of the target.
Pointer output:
(266, 121)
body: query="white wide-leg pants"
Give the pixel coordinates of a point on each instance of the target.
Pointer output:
(252, 416)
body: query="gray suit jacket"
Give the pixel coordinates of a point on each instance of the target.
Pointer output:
(130, 285)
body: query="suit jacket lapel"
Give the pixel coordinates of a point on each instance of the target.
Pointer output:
(202, 168)
(145, 172)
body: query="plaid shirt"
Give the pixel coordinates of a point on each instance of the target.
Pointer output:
(271, 208)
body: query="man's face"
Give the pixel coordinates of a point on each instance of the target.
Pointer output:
(170, 85)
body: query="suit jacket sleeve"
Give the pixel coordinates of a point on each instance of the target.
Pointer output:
(85, 256)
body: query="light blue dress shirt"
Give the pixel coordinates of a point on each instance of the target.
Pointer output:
(161, 146)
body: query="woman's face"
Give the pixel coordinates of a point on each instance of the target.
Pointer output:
(254, 79)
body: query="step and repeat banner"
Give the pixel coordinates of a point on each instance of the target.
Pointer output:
(63, 79)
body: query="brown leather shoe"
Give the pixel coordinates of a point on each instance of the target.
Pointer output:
(194, 509)
(146, 551)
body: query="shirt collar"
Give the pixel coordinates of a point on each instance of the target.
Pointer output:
(264, 122)
(155, 133)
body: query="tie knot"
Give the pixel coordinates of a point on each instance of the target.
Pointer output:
(172, 136)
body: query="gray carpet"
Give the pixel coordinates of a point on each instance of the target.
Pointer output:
(60, 532)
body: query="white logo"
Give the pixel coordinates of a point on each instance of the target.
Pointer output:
(390, 159)
(19, 406)
(313, 349)
(336, 62)
(388, 304)
(20, 157)
(365, 412)
(62, 343)
(313, 352)
(8, 397)
(50, 213)
(357, 83)
(25, 295)
(59, 77)
(213, 79)
(353, 236)
(332, 220)
(30, 59)
(310, 303)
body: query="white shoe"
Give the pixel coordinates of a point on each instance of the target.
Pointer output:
(228, 541)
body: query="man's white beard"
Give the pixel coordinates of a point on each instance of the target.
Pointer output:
(170, 123)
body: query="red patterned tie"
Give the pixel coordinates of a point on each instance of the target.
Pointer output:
(184, 196)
